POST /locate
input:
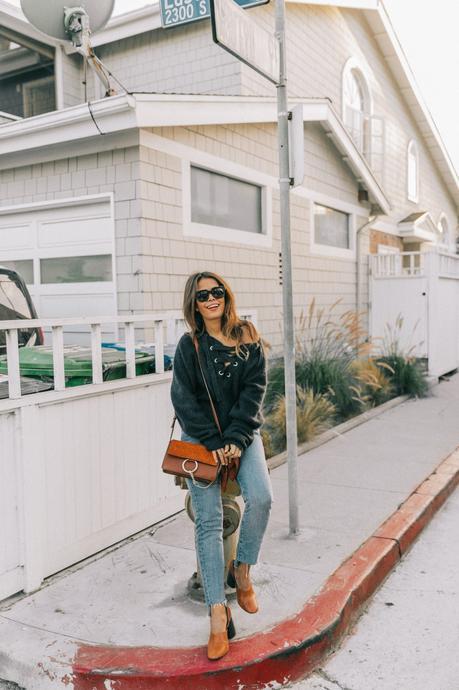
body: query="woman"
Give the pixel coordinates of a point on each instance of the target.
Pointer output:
(233, 361)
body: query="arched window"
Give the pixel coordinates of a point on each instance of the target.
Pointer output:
(443, 232)
(357, 104)
(412, 176)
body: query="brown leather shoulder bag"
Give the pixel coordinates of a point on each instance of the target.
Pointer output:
(193, 460)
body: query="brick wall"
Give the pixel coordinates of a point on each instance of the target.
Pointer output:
(378, 237)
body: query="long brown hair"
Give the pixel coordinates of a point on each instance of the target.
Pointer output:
(233, 327)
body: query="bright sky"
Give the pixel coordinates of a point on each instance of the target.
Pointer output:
(427, 30)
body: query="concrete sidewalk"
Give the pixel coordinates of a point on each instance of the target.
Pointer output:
(133, 598)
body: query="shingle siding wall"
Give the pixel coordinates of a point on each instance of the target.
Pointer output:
(153, 256)
(117, 172)
(181, 60)
(168, 257)
(319, 42)
(400, 129)
(72, 72)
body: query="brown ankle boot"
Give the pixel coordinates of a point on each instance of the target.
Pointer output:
(218, 644)
(246, 598)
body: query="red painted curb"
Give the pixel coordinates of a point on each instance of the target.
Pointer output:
(292, 648)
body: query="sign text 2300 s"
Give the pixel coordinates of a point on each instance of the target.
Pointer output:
(175, 12)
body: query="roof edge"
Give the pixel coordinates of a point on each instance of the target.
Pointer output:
(137, 111)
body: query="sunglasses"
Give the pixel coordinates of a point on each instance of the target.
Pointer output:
(216, 292)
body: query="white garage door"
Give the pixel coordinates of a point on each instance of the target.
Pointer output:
(65, 252)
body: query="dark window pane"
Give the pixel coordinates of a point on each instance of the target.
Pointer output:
(77, 269)
(224, 201)
(331, 227)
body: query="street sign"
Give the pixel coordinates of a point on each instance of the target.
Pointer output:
(177, 12)
(237, 33)
(296, 145)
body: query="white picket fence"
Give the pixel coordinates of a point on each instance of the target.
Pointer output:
(422, 288)
(80, 467)
(167, 328)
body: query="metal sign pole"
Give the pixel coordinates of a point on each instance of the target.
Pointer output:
(287, 297)
(234, 31)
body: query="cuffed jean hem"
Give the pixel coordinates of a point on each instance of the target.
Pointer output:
(215, 603)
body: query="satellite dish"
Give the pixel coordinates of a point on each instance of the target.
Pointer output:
(74, 23)
(48, 15)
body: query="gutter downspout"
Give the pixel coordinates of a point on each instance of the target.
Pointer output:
(370, 221)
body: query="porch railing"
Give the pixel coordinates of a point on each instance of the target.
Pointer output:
(167, 329)
(400, 264)
(448, 265)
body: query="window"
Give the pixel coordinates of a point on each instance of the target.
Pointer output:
(443, 231)
(38, 96)
(23, 266)
(77, 269)
(356, 104)
(331, 227)
(219, 200)
(412, 181)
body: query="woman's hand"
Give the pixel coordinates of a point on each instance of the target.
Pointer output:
(220, 456)
(232, 451)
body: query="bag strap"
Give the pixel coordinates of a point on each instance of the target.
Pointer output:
(214, 411)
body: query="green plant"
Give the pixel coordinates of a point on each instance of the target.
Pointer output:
(314, 414)
(408, 377)
(326, 347)
(406, 372)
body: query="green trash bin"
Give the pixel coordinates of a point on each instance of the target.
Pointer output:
(37, 363)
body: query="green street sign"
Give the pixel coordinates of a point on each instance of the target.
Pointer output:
(177, 12)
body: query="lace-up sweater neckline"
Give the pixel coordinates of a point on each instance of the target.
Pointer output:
(237, 384)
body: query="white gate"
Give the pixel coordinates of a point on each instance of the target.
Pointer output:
(80, 468)
(11, 571)
(422, 291)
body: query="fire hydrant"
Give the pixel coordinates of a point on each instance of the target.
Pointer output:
(231, 521)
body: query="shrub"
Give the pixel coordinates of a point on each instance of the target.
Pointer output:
(267, 443)
(314, 414)
(408, 377)
(407, 374)
(325, 350)
(327, 346)
(374, 386)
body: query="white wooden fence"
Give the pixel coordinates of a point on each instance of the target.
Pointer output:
(423, 288)
(80, 467)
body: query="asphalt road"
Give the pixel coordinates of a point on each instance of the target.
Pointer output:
(408, 638)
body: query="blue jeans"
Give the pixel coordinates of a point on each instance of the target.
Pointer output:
(253, 478)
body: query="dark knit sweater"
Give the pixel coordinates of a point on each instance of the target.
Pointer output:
(237, 386)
